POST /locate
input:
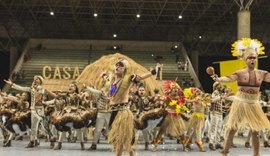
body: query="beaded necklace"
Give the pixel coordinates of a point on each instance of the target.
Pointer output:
(113, 88)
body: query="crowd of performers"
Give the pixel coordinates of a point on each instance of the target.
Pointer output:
(188, 116)
(122, 108)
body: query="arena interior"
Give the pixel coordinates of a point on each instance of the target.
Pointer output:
(76, 41)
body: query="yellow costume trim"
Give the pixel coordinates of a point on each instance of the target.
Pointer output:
(178, 108)
(199, 115)
(188, 92)
(172, 103)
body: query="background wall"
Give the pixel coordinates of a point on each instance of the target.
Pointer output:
(4, 67)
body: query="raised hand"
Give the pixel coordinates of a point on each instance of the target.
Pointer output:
(215, 77)
(9, 82)
(211, 71)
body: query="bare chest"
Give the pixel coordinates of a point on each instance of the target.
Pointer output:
(250, 78)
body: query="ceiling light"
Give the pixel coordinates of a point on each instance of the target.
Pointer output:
(114, 35)
(95, 14)
(51, 13)
(200, 37)
(176, 46)
(138, 15)
(114, 47)
(180, 16)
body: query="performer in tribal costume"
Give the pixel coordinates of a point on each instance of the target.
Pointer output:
(71, 117)
(103, 115)
(173, 123)
(58, 104)
(149, 115)
(122, 127)
(198, 102)
(246, 110)
(16, 116)
(37, 109)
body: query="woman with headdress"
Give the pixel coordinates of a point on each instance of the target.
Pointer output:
(198, 101)
(71, 109)
(246, 110)
(147, 116)
(173, 123)
(122, 127)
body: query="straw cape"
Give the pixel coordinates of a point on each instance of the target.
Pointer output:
(91, 75)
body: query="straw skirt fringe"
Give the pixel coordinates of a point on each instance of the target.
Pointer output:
(176, 126)
(246, 112)
(121, 133)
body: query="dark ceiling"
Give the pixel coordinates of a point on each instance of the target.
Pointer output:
(214, 20)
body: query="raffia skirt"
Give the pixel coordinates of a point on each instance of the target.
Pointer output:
(196, 122)
(246, 112)
(122, 131)
(176, 126)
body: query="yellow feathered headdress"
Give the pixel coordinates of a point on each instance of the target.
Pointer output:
(239, 48)
(190, 92)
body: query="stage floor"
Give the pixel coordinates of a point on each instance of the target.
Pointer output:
(170, 148)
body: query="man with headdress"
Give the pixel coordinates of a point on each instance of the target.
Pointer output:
(37, 110)
(122, 127)
(246, 110)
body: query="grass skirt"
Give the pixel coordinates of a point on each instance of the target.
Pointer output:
(246, 112)
(196, 122)
(176, 126)
(121, 133)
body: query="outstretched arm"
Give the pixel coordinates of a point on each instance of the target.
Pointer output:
(17, 87)
(50, 102)
(94, 91)
(229, 78)
(51, 93)
(144, 76)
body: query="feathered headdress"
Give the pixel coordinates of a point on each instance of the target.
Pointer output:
(170, 84)
(239, 48)
(190, 92)
(179, 104)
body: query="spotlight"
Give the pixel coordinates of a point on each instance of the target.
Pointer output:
(114, 35)
(114, 47)
(180, 16)
(176, 46)
(51, 13)
(95, 14)
(152, 55)
(138, 15)
(200, 37)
